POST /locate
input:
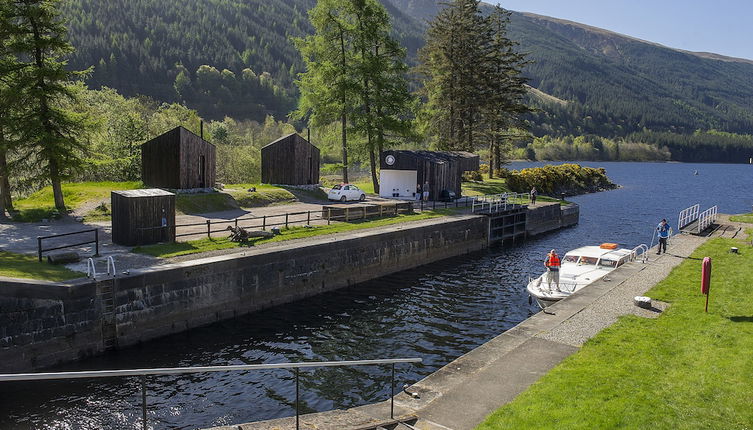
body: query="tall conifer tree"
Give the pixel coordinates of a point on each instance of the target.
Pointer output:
(49, 132)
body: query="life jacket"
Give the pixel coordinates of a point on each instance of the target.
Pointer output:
(552, 261)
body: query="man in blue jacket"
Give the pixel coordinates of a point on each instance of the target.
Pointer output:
(663, 232)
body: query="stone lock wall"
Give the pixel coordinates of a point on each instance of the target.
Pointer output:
(43, 324)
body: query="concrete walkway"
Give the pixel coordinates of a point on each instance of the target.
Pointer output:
(461, 394)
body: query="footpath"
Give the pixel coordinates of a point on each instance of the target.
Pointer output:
(461, 394)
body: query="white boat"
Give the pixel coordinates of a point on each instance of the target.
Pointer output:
(580, 268)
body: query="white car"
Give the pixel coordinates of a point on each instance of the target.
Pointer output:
(345, 192)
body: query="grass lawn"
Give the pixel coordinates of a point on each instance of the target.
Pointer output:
(167, 250)
(15, 265)
(498, 186)
(265, 195)
(685, 370)
(742, 218)
(42, 205)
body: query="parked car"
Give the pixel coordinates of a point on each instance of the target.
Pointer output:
(345, 192)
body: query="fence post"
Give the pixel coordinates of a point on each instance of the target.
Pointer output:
(209, 228)
(264, 223)
(381, 209)
(96, 242)
(39, 248)
(364, 212)
(392, 391)
(434, 203)
(236, 223)
(143, 402)
(422, 205)
(347, 214)
(308, 218)
(297, 400)
(286, 220)
(329, 216)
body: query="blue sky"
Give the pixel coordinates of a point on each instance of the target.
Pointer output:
(719, 26)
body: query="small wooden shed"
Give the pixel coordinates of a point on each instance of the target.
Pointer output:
(402, 170)
(290, 160)
(142, 217)
(178, 159)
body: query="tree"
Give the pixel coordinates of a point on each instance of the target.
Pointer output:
(49, 130)
(472, 79)
(7, 70)
(328, 86)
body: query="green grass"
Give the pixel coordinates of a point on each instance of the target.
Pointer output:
(14, 265)
(204, 202)
(685, 370)
(265, 195)
(747, 218)
(167, 250)
(499, 186)
(102, 212)
(42, 205)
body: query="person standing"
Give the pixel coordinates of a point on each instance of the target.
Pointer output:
(663, 230)
(426, 191)
(533, 195)
(552, 264)
(418, 192)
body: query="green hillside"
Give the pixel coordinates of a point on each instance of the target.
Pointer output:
(234, 58)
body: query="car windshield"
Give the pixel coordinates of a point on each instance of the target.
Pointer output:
(571, 258)
(336, 187)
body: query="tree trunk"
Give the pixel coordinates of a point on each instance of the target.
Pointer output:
(3, 173)
(491, 158)
(57, 189)
(343, 117)
(498, 155)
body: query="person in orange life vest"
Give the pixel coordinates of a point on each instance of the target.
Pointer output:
(552, 264)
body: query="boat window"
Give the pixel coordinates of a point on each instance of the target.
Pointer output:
(571, 258)
(607, 263)
(591, 261)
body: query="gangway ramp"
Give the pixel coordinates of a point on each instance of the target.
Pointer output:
(692, 221)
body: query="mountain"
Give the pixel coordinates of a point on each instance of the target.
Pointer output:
(235, 58)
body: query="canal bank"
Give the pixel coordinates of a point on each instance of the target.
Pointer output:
(45, 323)
(461, 394)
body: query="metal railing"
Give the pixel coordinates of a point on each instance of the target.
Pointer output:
(687, 216)
(706, 218)
(498, 202)
(91, 268)
(95, 241)
(143, 373)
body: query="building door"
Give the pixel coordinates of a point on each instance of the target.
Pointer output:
(202, 172)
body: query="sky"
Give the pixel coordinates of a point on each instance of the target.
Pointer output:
(720, 26)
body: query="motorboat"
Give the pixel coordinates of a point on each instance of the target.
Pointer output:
(580, 268)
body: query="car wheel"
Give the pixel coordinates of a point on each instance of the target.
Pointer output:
(362, 198)
(343, 199)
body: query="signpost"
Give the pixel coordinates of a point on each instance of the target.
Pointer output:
(706, 279)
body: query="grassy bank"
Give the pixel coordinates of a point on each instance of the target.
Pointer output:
(747, 218)
(686, 369)
(15, 265)
(167, 250)
(41, 204)
(497, 186)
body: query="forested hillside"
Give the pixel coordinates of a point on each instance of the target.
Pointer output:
(224, 58)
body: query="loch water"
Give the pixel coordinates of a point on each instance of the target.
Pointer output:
(437, 312)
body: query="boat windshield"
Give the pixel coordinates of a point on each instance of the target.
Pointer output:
(607, 263)
(588, 261)
(571, 258)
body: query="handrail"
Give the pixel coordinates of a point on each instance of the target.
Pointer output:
(91, 269)
(111, 262)
(687, 216)
(142, 373)
(40, 250)
(707, 218)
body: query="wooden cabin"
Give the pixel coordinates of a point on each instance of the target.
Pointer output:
(401, 171)
(178, 159)
(142, 217)
(290, 160)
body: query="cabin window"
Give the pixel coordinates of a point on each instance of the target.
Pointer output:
(590, 261)
(608, 263)
(571, 259)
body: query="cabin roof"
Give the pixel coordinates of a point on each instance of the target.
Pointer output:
(286, 137)
(598, 252)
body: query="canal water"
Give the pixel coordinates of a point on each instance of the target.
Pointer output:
(437, 312)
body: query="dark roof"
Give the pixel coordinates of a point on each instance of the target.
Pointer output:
(439, 156)
(286, 137)
(174, 129)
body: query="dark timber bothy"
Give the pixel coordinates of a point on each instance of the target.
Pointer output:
(443, 170)
(290, 160)
(142, 217)
(178, 159)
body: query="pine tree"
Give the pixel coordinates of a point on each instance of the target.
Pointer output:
(36, 40)
(328, 87)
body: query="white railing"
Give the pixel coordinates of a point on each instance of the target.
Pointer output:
(707, 218)
(498, 202)
(91, 268)
(687, 216)
(639, 251)
(142, 373)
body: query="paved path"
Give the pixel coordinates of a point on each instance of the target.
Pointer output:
(460, 395)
